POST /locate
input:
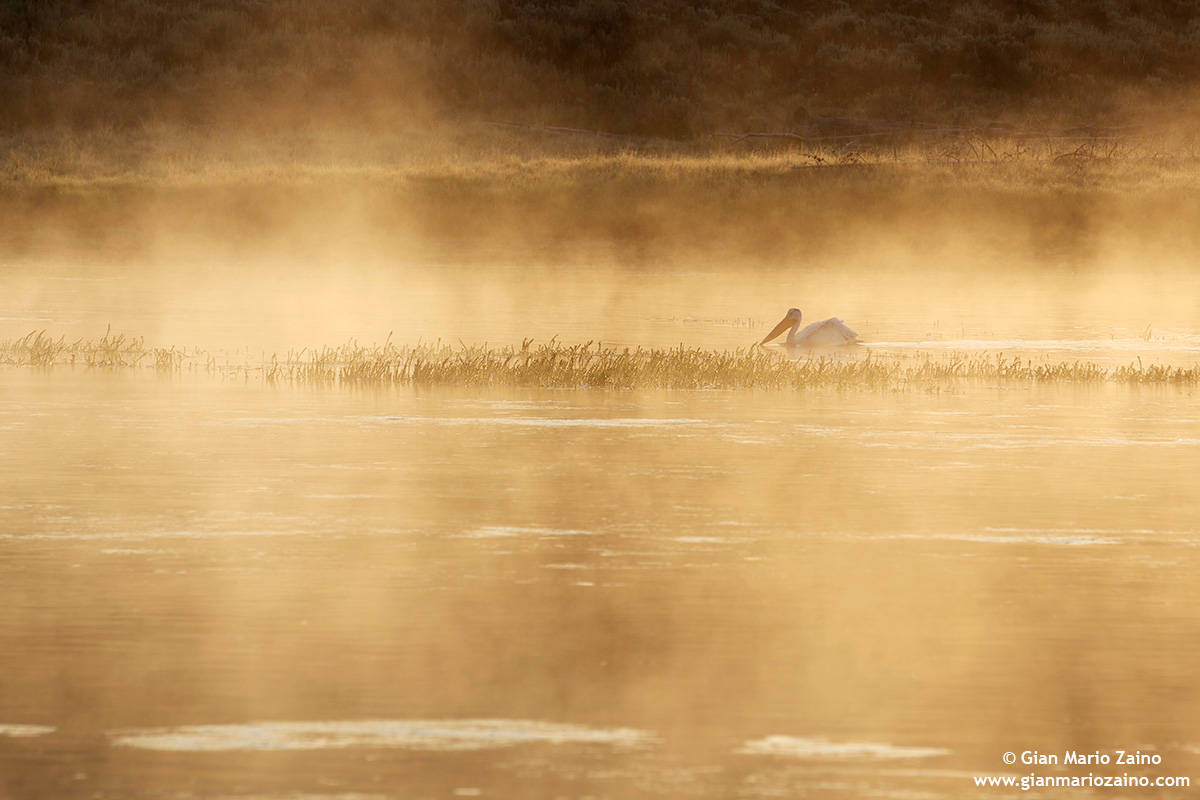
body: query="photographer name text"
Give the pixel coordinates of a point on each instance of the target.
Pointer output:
(1125, 757)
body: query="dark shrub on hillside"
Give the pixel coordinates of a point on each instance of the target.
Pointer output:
(657, 67)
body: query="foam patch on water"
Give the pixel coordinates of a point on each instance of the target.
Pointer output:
(340, 496)
(4, 318)
(559, 422)
(1085, 535)
(796, 747)
(470, 734)
(26, 731)
(510, 531)
(1069, 540)
(1021, 536)
(1065, 537)
(150, 534)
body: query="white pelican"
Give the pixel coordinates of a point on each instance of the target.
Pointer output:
(830, 332)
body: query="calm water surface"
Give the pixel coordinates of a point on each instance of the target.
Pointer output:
(216, 588)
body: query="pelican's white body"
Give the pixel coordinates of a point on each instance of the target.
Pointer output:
(830, 332)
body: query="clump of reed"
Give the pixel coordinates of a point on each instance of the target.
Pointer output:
(40, 350)
(35, 350)
(1156, 373)
(591, 365)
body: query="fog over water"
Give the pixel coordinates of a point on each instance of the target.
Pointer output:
(219, 587)
(1111, 310)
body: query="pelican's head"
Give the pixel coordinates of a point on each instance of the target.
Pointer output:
(791, 319)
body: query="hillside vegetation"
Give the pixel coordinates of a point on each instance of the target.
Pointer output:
(313, 126)
(663, 68)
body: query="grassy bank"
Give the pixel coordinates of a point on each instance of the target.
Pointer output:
(589, 365)
(162, 193)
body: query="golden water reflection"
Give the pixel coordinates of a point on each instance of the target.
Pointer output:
(942, 578)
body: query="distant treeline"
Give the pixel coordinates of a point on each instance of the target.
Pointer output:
(670, 68)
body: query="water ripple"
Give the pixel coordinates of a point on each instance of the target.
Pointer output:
(471, 734)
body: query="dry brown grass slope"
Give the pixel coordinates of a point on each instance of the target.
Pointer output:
(673, 68)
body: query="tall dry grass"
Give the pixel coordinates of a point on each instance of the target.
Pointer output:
(589, 365)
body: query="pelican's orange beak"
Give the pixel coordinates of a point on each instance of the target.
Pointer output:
(778, 329)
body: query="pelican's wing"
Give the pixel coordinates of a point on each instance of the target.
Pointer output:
(830, 332)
